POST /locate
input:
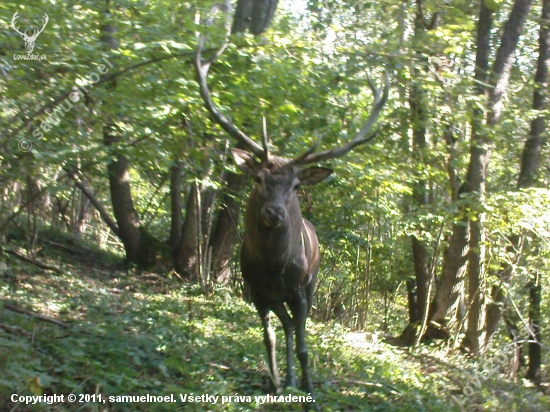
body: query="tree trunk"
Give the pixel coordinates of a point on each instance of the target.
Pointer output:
(125, 214)
(455, 255)
(534, 143)
(475, 183)
(534, 370)
(499, 81)
(480, 155)
(418, 122)
(83, 214)
(422, 276)
(420, 194)
(477, 174)
(194, 232)
(255, 15)
(185, 257)
(123, 206)
(225, 233)
(527, 178)
(138, 245)
(176, 204)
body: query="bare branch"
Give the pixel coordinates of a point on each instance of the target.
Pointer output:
(33, 261)
(17, 309)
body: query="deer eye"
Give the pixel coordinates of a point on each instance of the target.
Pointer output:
(257, 178)
(296, 186)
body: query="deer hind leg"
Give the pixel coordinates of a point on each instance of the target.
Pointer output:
(269, 341)
(288, 327)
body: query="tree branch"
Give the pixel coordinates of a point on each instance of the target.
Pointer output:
(97, 204)
(505, 58)
(107, 77)
(45, 318)
(33, 261)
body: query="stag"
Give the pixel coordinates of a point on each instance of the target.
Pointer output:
(280, 253)
(29, 40)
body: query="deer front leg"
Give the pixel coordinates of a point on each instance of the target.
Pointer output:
(288, 327)
(299, 309)
(269, 341)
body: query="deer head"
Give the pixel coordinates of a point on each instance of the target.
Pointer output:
(29, 40)
(274, 199)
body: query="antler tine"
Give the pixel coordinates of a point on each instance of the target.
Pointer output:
(363, 136)
(13, 21)
(265, 139)
(46, 20)
(300, 159)
(202, 68)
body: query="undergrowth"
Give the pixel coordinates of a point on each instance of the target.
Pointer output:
(129, 333)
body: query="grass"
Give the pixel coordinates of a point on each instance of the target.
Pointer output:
(143, 334)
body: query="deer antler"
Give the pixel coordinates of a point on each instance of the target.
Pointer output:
(363, 136)
(37, 32)
(13, 21)
(202, 67)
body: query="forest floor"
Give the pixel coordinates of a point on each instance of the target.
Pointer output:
(105, 333)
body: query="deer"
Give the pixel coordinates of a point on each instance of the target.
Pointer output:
(280, 255)
(29, 40)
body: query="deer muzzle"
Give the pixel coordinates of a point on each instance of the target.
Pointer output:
(273, 216)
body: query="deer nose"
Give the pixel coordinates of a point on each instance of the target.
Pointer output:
(275, 214)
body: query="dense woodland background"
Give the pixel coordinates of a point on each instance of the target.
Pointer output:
(120, 207)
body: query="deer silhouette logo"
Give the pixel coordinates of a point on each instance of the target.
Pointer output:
(29, 40)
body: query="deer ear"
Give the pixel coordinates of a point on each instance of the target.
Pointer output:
(245, 161)
(313, 175)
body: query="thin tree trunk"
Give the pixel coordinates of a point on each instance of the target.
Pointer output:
(528, 178)
(475, 181)
(451, 282)
(419, 121)
(125, 214)
(480, 155)
(535, 141)
(535, 318)
(477, 174)
(83, 214)
(176, 205)
(185, 258)
(455, 258)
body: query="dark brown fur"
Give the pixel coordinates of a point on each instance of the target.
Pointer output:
(280, 255)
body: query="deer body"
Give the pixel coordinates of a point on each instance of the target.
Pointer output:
(282, 262)
(280, 253)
